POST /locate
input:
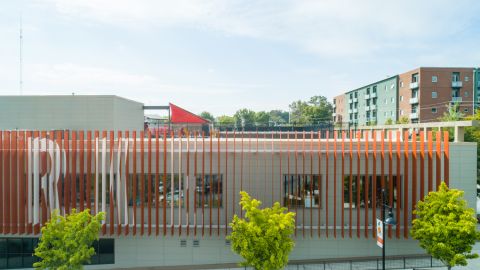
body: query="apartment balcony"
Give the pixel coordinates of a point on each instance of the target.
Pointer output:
(355, 110)
(350, 100)
(413, 115)
(350, 111)
(334, 105)
(457, 84)
(456, 99)
(367, 96)
(414, 100)
(334, 114)
(373, 106)
(355, 99)
(373, 95)
(414, 85)
(478, 84)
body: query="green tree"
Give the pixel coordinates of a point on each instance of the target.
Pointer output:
(403, 120)
(315, 111)
(445, 226)
(66, 242)
(207, 115)
(262, 118)
(472, 134)
(263, 238)
(452, 114)
(278, 117)
(226, 120)
(244, 117)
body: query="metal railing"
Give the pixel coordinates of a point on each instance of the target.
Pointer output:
(397, 262)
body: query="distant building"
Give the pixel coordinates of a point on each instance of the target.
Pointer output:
(62, 112)
(420, 95)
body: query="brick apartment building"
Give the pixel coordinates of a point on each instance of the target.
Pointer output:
(422, 95)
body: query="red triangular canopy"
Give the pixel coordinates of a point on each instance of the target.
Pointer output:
(180, 115)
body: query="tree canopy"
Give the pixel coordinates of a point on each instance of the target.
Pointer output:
(445, 226)
(263, 237)
(226, 120)
(66, 242)
(314, 111)
(207, 115)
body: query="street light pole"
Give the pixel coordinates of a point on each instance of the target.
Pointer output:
(390, 221)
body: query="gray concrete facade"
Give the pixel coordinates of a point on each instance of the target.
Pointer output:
(70, 113)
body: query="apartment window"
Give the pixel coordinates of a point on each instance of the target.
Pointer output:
(385, 114)
(434, 94)
(374, 101)
(355, 105)
(209, 192)
(434, 110)
(455, 76)
(434, 78)
(374, 114)
(301, 190)
(368, 91)
(374, 90)
(356, 185)
(467, 78)
(386, 101)
(351, 95)
(356, 94)
(355, 116)
(401, 84)
(392, 100)
(391, 113)
(401, 112)
(368, 114)
(392, 86)
(351, 106)
(414, 77)
(368, 102)
(466, 94)
(401, 98)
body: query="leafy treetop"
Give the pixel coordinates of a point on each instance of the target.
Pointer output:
(445, 226)
(66, 242)
(263, 238)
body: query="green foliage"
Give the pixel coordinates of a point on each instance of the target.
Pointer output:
(403, 120)
(207, 115)
(226, 120)
(389, 121)
(445, 226)
(278, 117)
(472, 134)
(66, 242)
(244, 117)
(263, 238)
(262, 118)
(452, 113)
(316, 110)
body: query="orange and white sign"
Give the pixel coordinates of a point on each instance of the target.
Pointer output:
(379, 233)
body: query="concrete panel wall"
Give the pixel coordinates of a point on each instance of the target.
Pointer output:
(70, 112)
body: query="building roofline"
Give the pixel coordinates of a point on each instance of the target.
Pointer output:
(371, 84)
(33, 96)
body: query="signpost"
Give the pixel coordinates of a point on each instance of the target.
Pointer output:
(379, 233)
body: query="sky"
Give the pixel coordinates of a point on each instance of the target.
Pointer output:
(221, 56)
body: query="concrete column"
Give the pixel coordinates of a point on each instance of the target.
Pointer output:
(459, 134)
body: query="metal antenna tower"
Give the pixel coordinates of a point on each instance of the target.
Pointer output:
(21, 57)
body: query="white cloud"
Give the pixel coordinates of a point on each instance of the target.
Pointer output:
(327, 28)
